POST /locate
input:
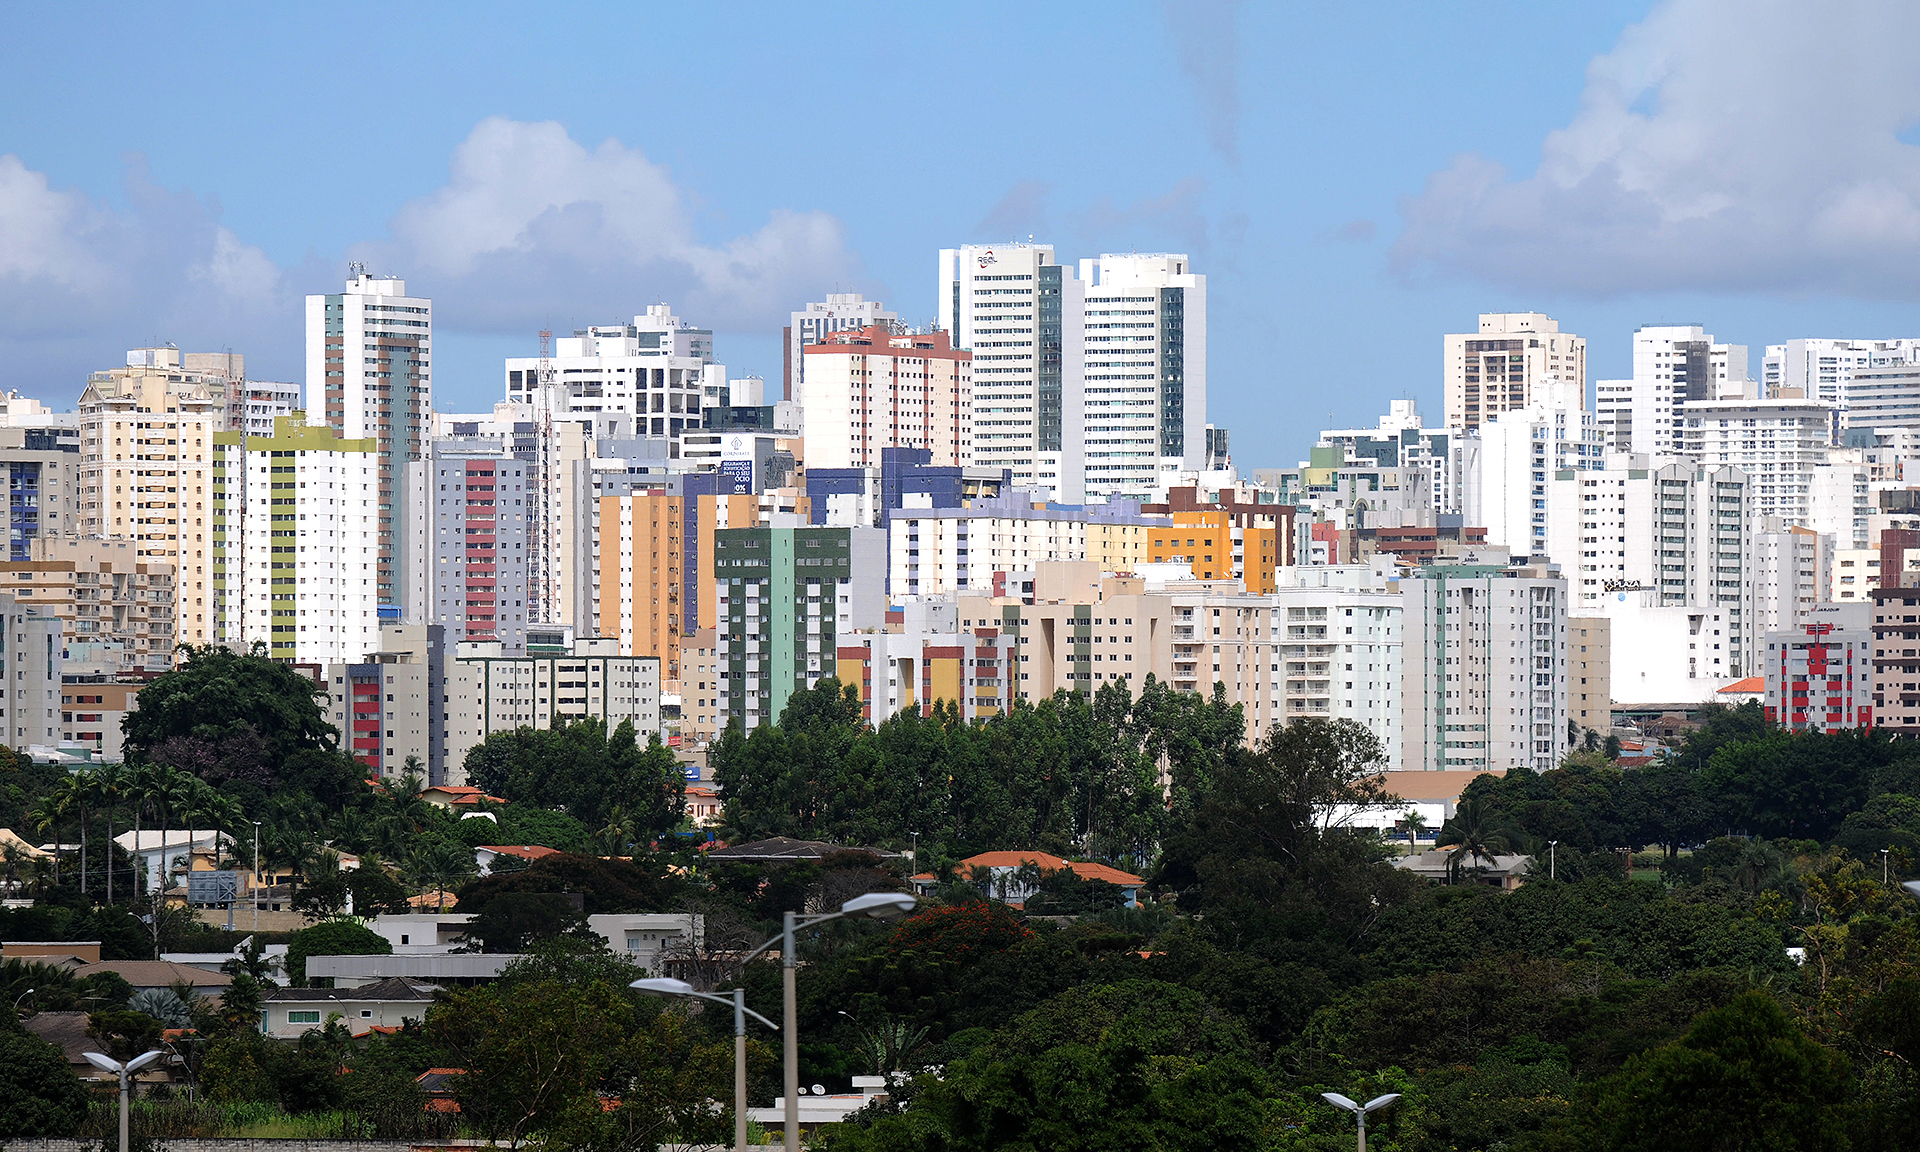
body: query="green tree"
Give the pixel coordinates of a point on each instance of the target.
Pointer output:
(1136, 1064)
(1744, 1077)
(39, 1094)
(585, 769)
(333, 938)
(215, 693)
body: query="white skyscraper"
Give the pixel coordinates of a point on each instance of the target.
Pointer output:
(1021, 313)
(1516, 360)
(1673, 366)
(1779, 444)
(653, 369)
(1145, 352)
(368, 354)
(1502, 471)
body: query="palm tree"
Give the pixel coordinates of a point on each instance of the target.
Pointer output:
(45, 817)
(439, 864)
(109, 785)
(1474, 836)
(72, 796)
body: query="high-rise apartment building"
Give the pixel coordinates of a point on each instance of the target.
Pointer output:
(783, 594)
(653, 370)
(369, 352)
(1821, 677)
(1339, 633)
(472, 550)
(1503, 470)
(640, 558)
(294, 542)
(390, 703)
(146, 459)
(870, 390)
(43, 487)
(928, 658)
(1590, 688)
(1401, 441)
(935, 550)
(30, 670)
(1780, 444)
(1822, 369)
(1486, 668)
(1020, 313)
(1675, 367)
(1515, 360)
(560, 680)
(117, 612)
(1789, 563)
(1145, 358)
(840, 312)
(1896, 660)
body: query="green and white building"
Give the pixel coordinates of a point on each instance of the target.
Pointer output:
(296, 542)
(783, 595)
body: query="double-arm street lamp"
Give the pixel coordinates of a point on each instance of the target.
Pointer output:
(664, 986)
(1360, 1110)
(874, 905)
(125, 1072)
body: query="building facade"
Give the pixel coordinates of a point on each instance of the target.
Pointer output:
(472, 575)
(642, 570)
(840, 312)
(116, 612)
(871, 390)
(1820, 676)
(782, 596)
(295, 542)
(559, 681)
(369, 377)
(1516, 360)
(1145, 361)
(390, 703)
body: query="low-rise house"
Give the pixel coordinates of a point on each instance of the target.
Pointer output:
(422, 932)
(172, 853)
(1497, 871)
(287, 1013)
(447, 969)
(486, 854)
(1008, 872)
(458, 797)
(641, 937)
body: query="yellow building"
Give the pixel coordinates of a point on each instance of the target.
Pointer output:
(642, 575)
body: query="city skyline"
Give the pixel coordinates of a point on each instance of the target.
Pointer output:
(189, 217)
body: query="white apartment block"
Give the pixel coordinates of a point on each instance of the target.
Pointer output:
(295, 542)
(840, 312)
(930, 657)
(1881, 402)
(489, 691)
(1502, 472)
(1339, 631)
(654, 370)
(1778, 443)
(1402, 442)
(1675, 367)
(1020, 313)
(1789, 563)
(369, 377)
(1516, 360)
(30, 663)
(870, 389)
(260, 402)
(145, 474)
(1668, 654)
(1145, 354)
(1840, 502)
(1823, 370)
(935, 550)
(1855, 573)
(1485, 668)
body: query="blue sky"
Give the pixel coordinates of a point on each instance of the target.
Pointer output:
(1355, 179)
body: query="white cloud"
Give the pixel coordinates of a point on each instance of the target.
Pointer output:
(1721, 145)
(531, 223)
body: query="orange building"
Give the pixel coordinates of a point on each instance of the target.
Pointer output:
(641, 575)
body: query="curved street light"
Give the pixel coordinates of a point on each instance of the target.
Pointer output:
(1359, 1110)
(125, 1071)
(666, 986)
(873, 906)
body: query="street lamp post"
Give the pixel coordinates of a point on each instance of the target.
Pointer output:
(663, 986)
(1360, 1110)
(125, 1072)
(256, 876)
(1553, 859)
(876, 905)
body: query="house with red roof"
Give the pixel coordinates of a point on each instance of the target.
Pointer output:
(485, 855)
(458, 797)
(1004, 868)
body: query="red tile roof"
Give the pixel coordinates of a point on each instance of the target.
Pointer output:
(523, 851)
(1752, 684)
(1047, 863)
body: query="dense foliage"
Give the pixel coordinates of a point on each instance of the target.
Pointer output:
(1642, 996)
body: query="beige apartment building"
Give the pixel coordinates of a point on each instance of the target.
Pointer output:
(146, 460)
(1590, 695)
(116, 612)
(1515, 359)
(557, 682)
